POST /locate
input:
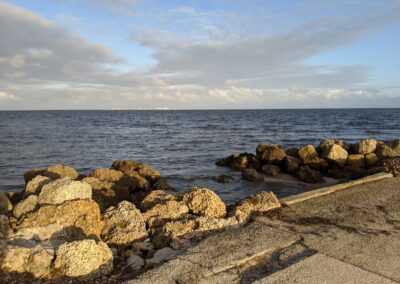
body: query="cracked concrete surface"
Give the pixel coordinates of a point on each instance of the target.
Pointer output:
(356, 230)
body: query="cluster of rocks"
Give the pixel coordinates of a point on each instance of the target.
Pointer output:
(112, 223)
(332, 158)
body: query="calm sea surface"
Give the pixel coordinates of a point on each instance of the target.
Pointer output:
(183, 145)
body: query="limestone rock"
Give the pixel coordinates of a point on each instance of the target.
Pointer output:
(366, 146)
(336, 155)
(126, 166)
(294, 152)
(271, 170)
(52, 172)
(72, 220)
(326, 143)
(271, 153)
(355, 161)
(148, 173)
(162, 236)
(205, 202)
(135, 262)
(309, 175)
(225, 162)
(388, 150)
(371, 160)
(138, 171)
(124, 224)
(84, 259)
(35, 185)
(62, 190)
(156, 197)
(5, 204)
(25, 206)
(107, 174)
(106, 193)
(291, 164)
(252, 175)
(307, 153)
(162, 255)
(140, 182)
(4, 227)
(260, 202)
(168, 211)
(35, 261)
(317, 164)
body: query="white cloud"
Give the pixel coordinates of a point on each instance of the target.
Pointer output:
(5, 96)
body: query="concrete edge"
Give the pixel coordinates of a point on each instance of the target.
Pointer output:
(331, 189)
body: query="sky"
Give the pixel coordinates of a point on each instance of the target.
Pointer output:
(222, 54)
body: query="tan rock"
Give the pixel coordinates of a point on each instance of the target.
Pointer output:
(366, 146)
(156, 197)
(317, 164)
(309, 175)
(106, 193)
(35, 185)
(61, 190)
(355, 161)
(126, 166)
(107, 174)
(371, 160)
(204, 202)
(388, 150)
(35, 261)
(4, 227)
(5, 204)
(52, 172)
(336, 155)
(307, 152)
(71, 220)
(261, 202)
(25, 206)
(140, 182)
(124, 224)
(271, 170)
(271, 153)
(84, 259)
(326, 143)
(291, 164)
(143, 174)
(149, 173)
(168, 211)
(162, 236)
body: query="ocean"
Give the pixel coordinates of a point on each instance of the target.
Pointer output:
(183, 145)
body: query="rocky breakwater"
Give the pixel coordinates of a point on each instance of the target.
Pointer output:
(332, 158)
(108, 226)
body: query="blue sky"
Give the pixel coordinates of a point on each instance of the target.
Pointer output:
(128, 54)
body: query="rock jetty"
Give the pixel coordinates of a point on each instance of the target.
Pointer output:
(333, 158)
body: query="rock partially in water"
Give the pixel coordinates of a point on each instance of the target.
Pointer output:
(271, 170)
(104, 174)
(309, 175)
(157, 197)
(205, 202)
(252, 175)
(5, 204)
(62, 190)
(124, 224)
(271, 153)
(223, 178)
(260, 202)
(33, 260)
(291, 164)
(106, 193)
(336, 155)
(72, 220)
(356, 161)
(84, 259)
(326, 143)
(138, 171)
(307, 153)
(35, 185)
(26, 206)
(365, 146)
(294, 152)
(52, 172)
(150, 174)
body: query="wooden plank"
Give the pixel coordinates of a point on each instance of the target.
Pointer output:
(331, 189)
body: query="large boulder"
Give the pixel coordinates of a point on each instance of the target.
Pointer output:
(240, 162)
(26, 206)
(52, 172)
(326, 143)
(317, 164)
(106, 193)
(62, 190)
(336, 155)
(355, 161)
(271, 153)
(33, 260)
(388, 150)
(170, 210)
(156, 197)
(291, 164)
(124, 224)
(205, 202)
(163, 235)
(148, 173)
(5, 204)
(307, 153)
(252, 175)
(135, 169)
(84, 259)
(271, 170)
(365, 146)
(260, 202)
(371, 160)
(35, 185)
(104, 174)
(309, 175)
(72, 220)
(294, 152)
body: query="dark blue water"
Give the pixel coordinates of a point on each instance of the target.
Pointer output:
(183, 145)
